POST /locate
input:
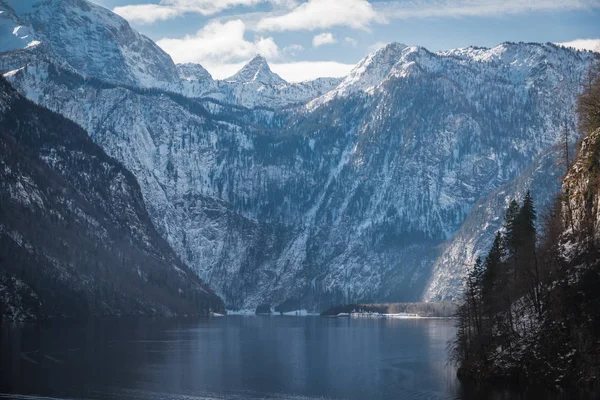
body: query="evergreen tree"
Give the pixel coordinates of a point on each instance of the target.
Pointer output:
(511, 235)
(526, 222)
(474, 286)
(492, 276)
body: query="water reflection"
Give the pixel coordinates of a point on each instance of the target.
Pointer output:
(232, 357)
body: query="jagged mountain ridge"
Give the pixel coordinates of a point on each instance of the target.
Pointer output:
(74, 229)
(90, 40)
(348, 198)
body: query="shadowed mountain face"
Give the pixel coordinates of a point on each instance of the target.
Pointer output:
(357, 191)
(75, 236)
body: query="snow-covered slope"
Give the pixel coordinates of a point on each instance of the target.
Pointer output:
(476, 233)
(193, 72)
(356, 196)
(368, 73)
(75, 236)
(13, 35)
(95, 42)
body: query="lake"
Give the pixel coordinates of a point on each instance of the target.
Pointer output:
(234, 357)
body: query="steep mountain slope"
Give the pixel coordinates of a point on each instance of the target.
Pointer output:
(454, 131)
(14, 36)
(75, 236)
(476, 233)
(349, 199)
(355, 195)
(189, 165)
(582, 190)
(96, 42)
(367, 74)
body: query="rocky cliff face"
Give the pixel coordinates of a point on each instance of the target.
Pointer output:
(581, 189)
(75, 236)
(93, 41)
(356, 193)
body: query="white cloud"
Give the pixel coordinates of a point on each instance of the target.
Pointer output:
(146, 13)
(323, 39)
(222, 71)
(467, 8)
(308, 70)
(583, 44)
(323, 14)
(218, 44)
(351, 41)
(293, 49)
(167, 9)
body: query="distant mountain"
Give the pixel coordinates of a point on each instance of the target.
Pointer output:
(255, 85)
(369, 72)
(373, 187)
(193, 72)
(88, 39)
(257, 70)
(75, 237)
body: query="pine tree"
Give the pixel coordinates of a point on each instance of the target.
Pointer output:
(492, 280)
(474, 286)
(526, 221)
(511, 235)
(527, 267)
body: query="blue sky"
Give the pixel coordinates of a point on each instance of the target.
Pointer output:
(304, 39)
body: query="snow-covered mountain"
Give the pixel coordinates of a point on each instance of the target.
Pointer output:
(368, 73)
(257, 70)
(75, 236)
(331, 190)
(92, 41)
(255, 85)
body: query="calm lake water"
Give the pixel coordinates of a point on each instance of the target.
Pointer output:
(229, 358)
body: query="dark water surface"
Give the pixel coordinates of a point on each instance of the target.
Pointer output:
(229, 358)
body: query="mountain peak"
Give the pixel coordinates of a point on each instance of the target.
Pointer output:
(258, 59)
(369, 72)
(393, 47)
(193, 72)
(257, 70)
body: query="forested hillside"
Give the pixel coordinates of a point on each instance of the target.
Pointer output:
(75, 237)
(531, 309)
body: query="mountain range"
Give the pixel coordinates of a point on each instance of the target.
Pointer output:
(382, 186)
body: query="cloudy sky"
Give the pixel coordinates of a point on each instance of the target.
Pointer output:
(304, 39)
